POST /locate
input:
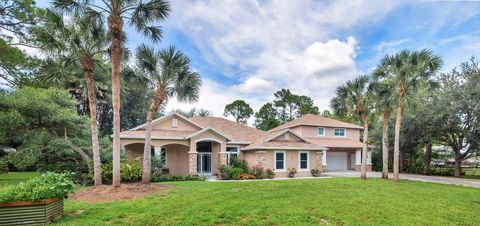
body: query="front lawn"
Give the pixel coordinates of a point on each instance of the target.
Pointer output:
(16, 177)
(341, 201)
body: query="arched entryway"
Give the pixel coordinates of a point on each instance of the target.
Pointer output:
(207, 157)
(174, 155)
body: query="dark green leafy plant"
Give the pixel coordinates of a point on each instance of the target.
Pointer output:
(130, 171)
(235, 173)
(47, 185)
(224, 172)
(236, 162)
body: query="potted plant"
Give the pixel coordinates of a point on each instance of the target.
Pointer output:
(315, 172)
(270, 173)
(36, 201)
(291, 172)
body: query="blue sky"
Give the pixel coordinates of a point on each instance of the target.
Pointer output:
(249, 49)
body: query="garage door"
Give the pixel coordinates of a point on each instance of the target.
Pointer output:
(336, 161)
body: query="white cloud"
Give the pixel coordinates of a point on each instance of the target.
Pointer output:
(386, 46)
(269, 45)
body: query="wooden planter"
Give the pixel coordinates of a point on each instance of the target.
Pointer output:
(31, 212)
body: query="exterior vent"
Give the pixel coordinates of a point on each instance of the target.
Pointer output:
(174, 123)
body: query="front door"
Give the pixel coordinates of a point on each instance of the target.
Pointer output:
(204, 164)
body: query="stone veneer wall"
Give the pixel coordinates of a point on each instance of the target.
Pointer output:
(319, 162)
(222, 158)
(260, 158)
(192, 164)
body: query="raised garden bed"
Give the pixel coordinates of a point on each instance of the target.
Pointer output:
(31, 212)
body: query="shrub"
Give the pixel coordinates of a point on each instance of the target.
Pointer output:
(442, 171)
(224, 172)
(259, 172)
(246, 176)
(270, 173)
(237, 163)
(130, 171)
(47, 185)
(235, 173)
(164, 178)
(156, 166)
(315, 172)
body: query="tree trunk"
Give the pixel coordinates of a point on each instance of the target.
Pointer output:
(88, 67)
(428, 159)
(156, 102)
(363, 173)
(458, 166)
(396, 147)
(115, 24)
(386, 117)
(410, 161)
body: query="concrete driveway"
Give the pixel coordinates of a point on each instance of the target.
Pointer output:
(423, 178)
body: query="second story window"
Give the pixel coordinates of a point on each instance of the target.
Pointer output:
(339, 132)
(321, 131)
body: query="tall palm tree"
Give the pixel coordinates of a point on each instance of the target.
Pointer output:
(408, 70)
(78, 40)
(140, 15)
(170, 75)
(354, 96)
(382, 93)
(203, 112)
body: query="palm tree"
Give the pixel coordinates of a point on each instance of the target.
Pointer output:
(353, 96)
(170, 75)
(203, 112)
(382, 93)
(140, 14)
(81, 41)
(408, 70)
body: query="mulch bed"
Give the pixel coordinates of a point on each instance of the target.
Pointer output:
(105, 193)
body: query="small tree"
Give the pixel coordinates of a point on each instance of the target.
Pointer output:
(240, 110)
(354, 95)
(170, 76)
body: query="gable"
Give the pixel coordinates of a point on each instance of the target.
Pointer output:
(287, 136)
(174, 122)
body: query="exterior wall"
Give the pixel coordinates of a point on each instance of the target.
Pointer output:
(291, 137)
(291, 158)
(134, 151)
(181, 124)
(177, 159)
(177, 156)
(311, 131)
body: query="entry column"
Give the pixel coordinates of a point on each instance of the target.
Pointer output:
(192, 159)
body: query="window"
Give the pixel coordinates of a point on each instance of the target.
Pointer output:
(232, 152)
(303, 160)
(339, 132)
(174, 123)
(321, 131)
(160, 153)
(279, 161)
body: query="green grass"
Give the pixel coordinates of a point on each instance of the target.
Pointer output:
(337, 201)
(16, 177)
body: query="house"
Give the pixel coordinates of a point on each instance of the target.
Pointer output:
(200, 145)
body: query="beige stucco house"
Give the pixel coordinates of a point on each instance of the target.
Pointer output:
(200, 145)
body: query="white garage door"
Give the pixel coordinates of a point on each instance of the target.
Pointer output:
(336, 160)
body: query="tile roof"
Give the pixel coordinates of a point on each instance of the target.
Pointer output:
(236, 131)
(178, 134)
(315, 120)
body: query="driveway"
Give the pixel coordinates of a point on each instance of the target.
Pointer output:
(423, 178)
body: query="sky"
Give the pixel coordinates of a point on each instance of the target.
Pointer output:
(248, 49)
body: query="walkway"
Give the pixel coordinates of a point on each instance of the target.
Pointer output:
(415, 177)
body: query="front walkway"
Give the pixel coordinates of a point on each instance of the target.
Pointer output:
(415, 177)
